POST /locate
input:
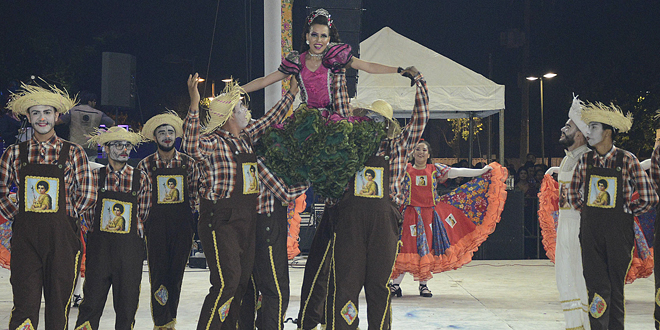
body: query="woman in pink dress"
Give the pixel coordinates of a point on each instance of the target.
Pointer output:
(321, 58)
(441, 233)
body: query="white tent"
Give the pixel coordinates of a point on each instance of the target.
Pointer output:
(453, 88)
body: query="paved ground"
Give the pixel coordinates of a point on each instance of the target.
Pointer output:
(485, 294)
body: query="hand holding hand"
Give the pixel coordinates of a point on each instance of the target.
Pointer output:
(409, 72)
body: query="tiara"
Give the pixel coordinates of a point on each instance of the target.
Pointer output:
(319, 12)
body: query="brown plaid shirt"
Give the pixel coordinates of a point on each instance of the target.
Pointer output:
(80, 191)
(122, 181)
(272, 187)
(634, 179)
(177, 161)
(400, 145)
(216, 165)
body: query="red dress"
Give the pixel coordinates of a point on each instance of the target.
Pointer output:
(441, 233)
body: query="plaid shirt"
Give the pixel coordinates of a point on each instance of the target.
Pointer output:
(177, 161)
(634, 179)
(400, 145)
(122, 181)
(655, 167)
(78, 185)
(272, 186)
(217, 166)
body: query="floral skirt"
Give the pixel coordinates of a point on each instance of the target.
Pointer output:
(444, 237)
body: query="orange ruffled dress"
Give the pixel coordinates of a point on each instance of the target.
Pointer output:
(5, 237)
(441, 233)
(642, 263)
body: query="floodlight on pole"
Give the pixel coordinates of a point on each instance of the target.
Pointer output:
(548, 75)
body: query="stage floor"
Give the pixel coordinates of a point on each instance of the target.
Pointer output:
(485, 294)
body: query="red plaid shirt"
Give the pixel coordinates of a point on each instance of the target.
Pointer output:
(655, 167)
(272, 186)
(122, 181)
(216, 166)
(634, 179)
(177, 161)
(78, 185)
(400, 145)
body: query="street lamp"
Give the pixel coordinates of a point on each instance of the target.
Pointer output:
(540, 79)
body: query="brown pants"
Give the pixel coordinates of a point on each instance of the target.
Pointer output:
(363, 255)
(45, 255)
(227, 237)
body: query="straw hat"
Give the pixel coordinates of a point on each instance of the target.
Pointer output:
(222, 106)
(610, 115)
(167, 118)
(384, 109)
(114, 133)
(575, 114)
(30, 95)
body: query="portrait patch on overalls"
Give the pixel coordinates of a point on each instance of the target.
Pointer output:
(369, 182)
(41, 194)
(421, 180)
(563, 195)
(602, 192)
(116, 216)
(170, 189)
(250, 179)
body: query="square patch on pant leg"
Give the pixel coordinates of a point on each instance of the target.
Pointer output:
(598, 306)
(161, 295)
(26, 325)
(85, 326)
(224, 309)
(349, 312)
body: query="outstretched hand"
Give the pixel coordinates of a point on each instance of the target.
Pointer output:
(410, 72)
(193, 81)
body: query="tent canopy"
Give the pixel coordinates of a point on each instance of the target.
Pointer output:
(454, 90)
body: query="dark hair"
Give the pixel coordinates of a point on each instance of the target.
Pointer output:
(252, 168)
(614, 130)
(321, 20)
(603, 182)
(86, 97)
(119, 207)
(171, 180)
(43, 184)
(370, 171)
(428, 146)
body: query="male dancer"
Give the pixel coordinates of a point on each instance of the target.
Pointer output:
(363, 246)
(568, 261)
(115, 243)
(271, 268)
(169, 230)
(606, 231)
(45, 243)
(227, 206)
(655, 176)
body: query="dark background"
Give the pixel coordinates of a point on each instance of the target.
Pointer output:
(601, 50)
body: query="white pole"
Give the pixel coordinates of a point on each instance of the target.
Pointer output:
(272, 49)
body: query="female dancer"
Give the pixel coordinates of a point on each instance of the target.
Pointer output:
(321, 58)
(441, 233)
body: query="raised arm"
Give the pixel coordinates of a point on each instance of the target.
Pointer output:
(273, 116)
(420, 115)
(190, 142)
(263, 82)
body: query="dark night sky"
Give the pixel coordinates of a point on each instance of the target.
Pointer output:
(600, 49)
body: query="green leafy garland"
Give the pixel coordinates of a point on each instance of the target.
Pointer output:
(324, 149)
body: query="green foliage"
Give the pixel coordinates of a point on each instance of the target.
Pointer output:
(324, 150)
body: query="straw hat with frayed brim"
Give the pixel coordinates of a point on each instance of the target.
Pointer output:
(114, 133)
(610, 115)
(222, 106)
(30, 95)
(384, 109)
(167, 118)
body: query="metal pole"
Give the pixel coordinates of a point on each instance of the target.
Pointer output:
(470, 139)
(542, 127)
